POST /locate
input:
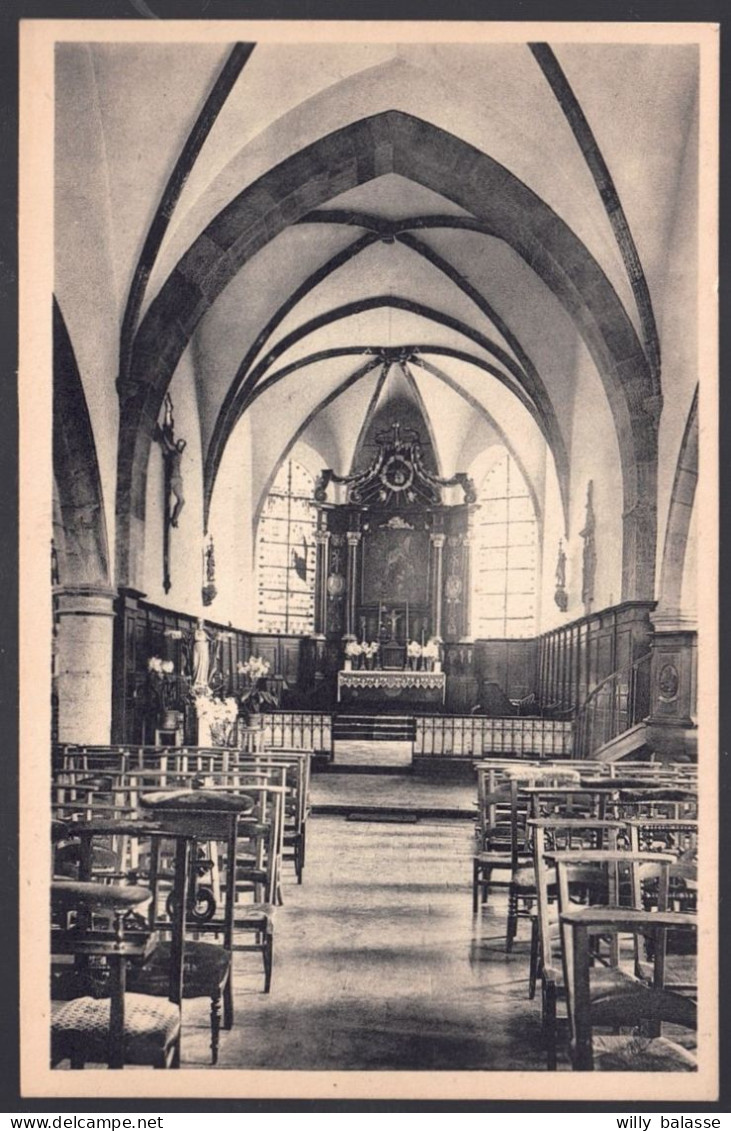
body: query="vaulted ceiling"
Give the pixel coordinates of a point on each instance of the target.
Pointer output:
(485, 214)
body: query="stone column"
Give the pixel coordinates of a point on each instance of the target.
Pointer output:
(353, 537)
(84, 663)
(437, 541)
(322, 540)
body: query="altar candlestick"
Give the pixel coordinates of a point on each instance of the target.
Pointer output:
(407, 623)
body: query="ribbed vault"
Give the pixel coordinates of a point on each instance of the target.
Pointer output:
(499, 207)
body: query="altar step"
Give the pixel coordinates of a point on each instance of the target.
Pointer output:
(373, 728)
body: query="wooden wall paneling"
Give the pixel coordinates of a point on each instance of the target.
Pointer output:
(290, 659)
(605, 654)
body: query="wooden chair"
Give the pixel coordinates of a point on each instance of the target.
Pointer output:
(251, 862)
(620, 872)
(500, 846)
(629, 1006)
(109, 1025)
(209, 817)
(679, 837)
(554, 834)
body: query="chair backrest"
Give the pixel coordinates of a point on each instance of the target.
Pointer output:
(622, 1007)
(551, 835)
(620, 872)
(263, 832)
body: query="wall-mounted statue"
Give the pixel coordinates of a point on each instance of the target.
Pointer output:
(561, 597)
(208, 591)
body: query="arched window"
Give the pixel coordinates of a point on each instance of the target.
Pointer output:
(505, 555)
(285, 553)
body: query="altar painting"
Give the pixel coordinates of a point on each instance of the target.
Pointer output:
(395, 566)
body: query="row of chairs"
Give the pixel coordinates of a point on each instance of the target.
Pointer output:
(571, 843)
(102, 803)
(86, 766)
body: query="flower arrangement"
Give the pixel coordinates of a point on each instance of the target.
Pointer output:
(216, 711)
(253, 696)
(163, 682)
(431, 649)
(219, 715)
(254, 668)
(414, 650)
(353, 649)
(371, 649)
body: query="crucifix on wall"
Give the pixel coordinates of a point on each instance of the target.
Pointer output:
(172, 454)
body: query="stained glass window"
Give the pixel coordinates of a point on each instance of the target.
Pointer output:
(505, 555)
(285, 553)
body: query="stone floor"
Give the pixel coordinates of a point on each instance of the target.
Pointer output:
(409, 791)
(379, 964)
(362, 753)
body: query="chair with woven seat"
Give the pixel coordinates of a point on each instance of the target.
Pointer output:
(208, 816)
(630, 1006)
(258, 866)
(108, 1025)
(552, 834)
(499, 848)
(679, 837)
(615, 879)
(258, 856)
(80, 1031)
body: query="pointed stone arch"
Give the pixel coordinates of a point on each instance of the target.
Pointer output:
(396, 142)
(682, 500)
(84, 556)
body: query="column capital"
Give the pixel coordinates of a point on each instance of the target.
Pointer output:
(438, 540)
(84, 600)
(353, 537)
(669, 620)
(322, 537)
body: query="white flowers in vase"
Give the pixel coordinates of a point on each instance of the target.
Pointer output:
(254, 694)
(254, 668)
(431, 653)
(217, 716)
(163, 682)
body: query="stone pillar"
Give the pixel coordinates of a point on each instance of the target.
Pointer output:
(671, 725)
(352, 580)
(322, 540)
(437, 541)
(84, 663)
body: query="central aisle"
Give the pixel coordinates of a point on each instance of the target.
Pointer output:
(379, 965)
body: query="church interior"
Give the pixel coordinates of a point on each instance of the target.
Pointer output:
(375, 451)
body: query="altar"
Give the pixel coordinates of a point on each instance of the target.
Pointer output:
(405, 687)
